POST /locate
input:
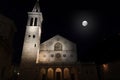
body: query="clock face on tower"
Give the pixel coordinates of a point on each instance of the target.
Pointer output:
(58, 55)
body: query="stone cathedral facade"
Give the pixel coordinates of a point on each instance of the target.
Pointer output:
(54, 59)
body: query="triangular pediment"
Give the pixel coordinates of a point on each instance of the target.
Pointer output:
(69, 45)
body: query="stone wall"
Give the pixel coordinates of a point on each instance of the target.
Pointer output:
(57, 49)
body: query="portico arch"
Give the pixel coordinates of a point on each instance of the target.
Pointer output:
(66, 74)
(58, 74)
(50, 74)
(43, 74)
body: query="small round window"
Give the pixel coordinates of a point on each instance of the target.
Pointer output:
(64, 55)
(33, 36)
(58, 55)
(52, 55)
(29, 35)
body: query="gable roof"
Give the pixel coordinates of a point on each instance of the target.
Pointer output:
(58, 37)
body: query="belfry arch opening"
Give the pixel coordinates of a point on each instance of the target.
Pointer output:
(35, 23)
(31, 21)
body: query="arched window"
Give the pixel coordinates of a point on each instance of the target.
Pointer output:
(31, 21)
(58, 47)
(35, 23)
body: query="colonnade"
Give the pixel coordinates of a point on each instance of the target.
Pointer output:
(56, 73)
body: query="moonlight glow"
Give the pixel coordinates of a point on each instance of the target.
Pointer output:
(84, 23)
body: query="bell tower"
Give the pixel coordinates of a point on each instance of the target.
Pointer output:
(31, 46)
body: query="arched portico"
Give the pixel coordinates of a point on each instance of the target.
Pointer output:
(66, 74)
(58, 74)
(50, 74)
(43, 74)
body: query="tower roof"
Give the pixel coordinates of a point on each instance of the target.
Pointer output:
(36, 7)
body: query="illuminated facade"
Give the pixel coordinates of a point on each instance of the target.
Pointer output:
(57, 59)
(54, 59)
(57, 50)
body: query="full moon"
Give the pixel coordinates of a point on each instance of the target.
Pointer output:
(84, 23)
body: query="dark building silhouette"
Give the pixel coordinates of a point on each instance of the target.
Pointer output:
(7, 29)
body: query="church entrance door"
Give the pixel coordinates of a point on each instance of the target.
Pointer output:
(58, 74)
(58, 77)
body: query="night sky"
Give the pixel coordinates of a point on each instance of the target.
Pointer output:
(99, 41)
